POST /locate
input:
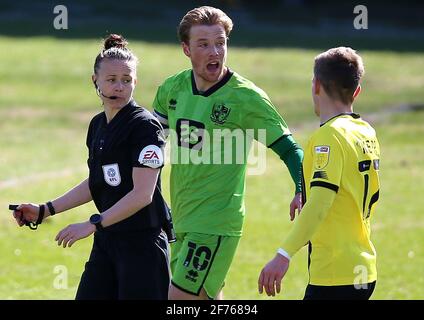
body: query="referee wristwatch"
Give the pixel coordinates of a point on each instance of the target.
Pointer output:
(96, 219)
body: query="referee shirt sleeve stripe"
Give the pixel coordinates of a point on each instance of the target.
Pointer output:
(325, 185)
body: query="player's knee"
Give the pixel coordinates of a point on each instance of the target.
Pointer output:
(220, 295)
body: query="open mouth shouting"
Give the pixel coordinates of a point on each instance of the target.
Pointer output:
(213, 66)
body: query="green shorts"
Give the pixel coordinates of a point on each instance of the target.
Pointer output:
(201, 261)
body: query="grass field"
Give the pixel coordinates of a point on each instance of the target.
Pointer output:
(47, 100)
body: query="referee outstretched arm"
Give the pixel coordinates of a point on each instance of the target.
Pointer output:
(77, 196)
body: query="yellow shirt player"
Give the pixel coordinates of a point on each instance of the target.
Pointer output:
(341, 183)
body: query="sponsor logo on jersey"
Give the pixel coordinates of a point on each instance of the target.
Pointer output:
(190, 133)
(192, 275)
(321, 156)
(151, 156)
(220, 113)
(111, 174)
(364, 165)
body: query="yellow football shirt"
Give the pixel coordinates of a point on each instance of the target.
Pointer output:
(342, 156)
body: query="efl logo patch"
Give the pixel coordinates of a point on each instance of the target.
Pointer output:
(151, 156)
(321, 156)
(111, 174)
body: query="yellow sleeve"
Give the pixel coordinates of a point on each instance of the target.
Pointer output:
(311, 216)
(326, 165)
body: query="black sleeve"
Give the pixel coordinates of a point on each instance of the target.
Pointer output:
(89, 140)
(89, 134)
(147, 144)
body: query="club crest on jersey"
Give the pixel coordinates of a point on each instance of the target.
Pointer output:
(111, 174)
(220, 113)
(321, 156)
(151, 156)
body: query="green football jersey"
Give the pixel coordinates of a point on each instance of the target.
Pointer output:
(210, 137)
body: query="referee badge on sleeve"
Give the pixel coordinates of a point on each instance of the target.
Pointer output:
(321, 156)
(151, 156)
(111, 174)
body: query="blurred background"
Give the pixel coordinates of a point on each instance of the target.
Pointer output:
(47, 100)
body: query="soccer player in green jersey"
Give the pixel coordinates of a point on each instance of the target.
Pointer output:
(207, 175)
(342, 188)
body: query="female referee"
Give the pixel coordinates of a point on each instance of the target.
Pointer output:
(130, 255)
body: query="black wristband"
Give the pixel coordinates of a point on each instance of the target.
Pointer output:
(40, 214)
(51, 208)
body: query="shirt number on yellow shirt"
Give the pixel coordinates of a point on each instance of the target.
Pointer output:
(365, 166)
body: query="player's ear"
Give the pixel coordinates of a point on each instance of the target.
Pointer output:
(357, 91)
(94, 79)
(186, 49)
(316, 86)
(135, 81)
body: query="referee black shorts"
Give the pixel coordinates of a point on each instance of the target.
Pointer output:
(348, 292)
(127, 265)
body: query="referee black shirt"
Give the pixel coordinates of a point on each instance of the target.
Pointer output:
(133, 138)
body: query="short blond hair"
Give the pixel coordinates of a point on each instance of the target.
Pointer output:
(339, 70)
(204, 15)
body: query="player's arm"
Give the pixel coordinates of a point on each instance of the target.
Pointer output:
(313, 213)
(324, 185)
(261, 114)
(144, 180)
(145, 139)
(140, 196)
(75, 197)
(327, 167)
(160, 109)
(292, 155)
